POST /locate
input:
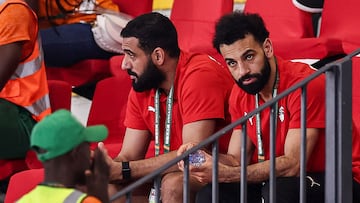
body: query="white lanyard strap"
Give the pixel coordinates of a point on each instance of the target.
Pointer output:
(168, 119)
(261, 153)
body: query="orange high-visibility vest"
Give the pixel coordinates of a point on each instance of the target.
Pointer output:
(28, 87)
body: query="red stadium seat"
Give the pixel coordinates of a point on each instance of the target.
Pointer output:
(291, 31)
(115, 66)
(109, 107)
(195, 24)
(22, 183)
(60, 95)
(134, 8)
(9, 167)
(341, 21)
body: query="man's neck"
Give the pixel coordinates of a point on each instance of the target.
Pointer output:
(170, 76)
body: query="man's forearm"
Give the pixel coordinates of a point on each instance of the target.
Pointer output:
(259, 172)
(140, 168)
(285, 167)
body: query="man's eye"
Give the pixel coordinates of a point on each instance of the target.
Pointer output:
(231, 63)
(249, 57)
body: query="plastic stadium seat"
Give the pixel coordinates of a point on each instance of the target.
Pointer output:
(109, 107)
(9, 167)
(91, 70)
(60, 95)
(80, 73)
(195, 24)
(22, 183)
(291, 31)
(135, 8)
(341, 21)
(115, 66)
(282, 18)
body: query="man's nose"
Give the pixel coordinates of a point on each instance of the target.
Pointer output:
(125, 65)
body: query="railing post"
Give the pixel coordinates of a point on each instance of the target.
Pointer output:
(186, 188)
(338, 175)
(345, 132)
(272, 182)
(243, 163)
(215, 172)
(303, 145)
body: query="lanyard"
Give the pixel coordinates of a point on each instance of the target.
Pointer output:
(261, 154)
(167, 132)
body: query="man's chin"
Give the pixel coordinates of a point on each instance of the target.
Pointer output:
(140, 89)
(249, 89)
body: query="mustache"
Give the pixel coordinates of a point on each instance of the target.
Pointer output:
(132, 73)
(248, 76)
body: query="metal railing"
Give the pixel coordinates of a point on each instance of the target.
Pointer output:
(338, 172)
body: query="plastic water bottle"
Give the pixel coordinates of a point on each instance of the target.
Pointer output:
(197, 158)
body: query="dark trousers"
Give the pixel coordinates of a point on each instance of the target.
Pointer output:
(287, 191)
(16, 124)
(356, 191)
(65, 45)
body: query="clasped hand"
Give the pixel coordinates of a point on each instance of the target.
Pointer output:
(201, 172)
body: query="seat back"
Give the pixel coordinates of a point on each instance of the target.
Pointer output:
(60, 95)
(134, 8)
(195, 23)
(341, 21)
(109, 106)
(9, 167)
(282, 18)
(81, 73)
(22, 183)
(291, 31)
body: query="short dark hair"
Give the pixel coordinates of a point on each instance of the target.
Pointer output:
(237, 25)
(153, 30)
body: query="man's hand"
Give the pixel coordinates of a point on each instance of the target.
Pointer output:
(115, 165)
(202, 172)
(97, 177)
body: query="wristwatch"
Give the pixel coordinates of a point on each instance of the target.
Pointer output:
(126, 171)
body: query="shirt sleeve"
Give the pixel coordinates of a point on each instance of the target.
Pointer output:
(90, 199)
(203, 95)
(17, 23)
(234, 107)
(315, 105)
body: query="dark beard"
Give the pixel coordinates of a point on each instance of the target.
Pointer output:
(259, 84)
(151, 78)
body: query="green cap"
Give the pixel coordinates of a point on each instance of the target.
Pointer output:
(60, 132)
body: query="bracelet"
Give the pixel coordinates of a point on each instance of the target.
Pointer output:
(126, 171)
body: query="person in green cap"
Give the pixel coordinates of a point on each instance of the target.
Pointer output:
(72, 172)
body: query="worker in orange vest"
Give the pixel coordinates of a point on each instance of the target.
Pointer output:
(24, 94)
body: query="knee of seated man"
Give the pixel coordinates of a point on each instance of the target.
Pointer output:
(170, 185)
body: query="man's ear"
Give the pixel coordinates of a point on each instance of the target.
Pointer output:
(158, 56)
(268, 48)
